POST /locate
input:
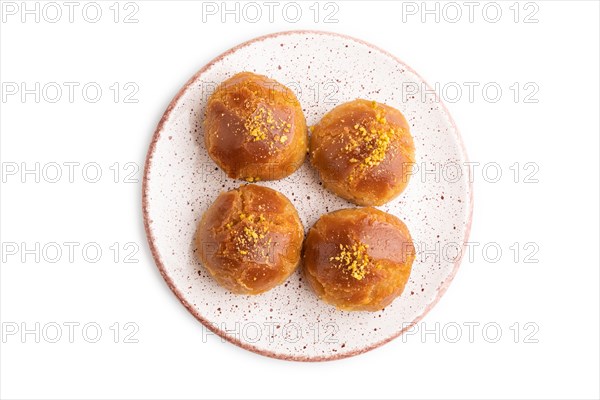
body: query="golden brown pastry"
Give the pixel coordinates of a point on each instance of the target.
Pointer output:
(363, 151)
(250, 239)
(254, 128)
(358, 259)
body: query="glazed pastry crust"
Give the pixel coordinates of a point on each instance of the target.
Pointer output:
(364, 152)
(250, 239)
(254, 128)
(358, 259)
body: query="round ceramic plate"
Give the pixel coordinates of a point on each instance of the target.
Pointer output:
(290, 322)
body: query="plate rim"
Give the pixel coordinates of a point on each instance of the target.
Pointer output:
(151, 238)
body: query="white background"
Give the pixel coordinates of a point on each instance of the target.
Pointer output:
(559, 133)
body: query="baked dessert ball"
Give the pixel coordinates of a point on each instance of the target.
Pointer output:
(254, 128)
(358, 259)
(250, 239)
(363, 151)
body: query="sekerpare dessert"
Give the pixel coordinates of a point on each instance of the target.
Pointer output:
(358, 259)
(250, 239)
(364, 152)
(254, 128)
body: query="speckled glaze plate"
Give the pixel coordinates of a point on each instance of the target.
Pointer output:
(290, 322)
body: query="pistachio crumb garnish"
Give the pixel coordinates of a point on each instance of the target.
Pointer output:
(255, 124)
(251, 237)
(262, 123)
(354, 259)
(370, 141)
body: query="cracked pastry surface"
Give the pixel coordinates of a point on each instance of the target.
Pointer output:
(254, 128)
(364, 152)
(250, 239)
(358, 259)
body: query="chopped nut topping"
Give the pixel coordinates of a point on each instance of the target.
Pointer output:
(262, 123)
(249, 237)
(354, 259)
(370, 141)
